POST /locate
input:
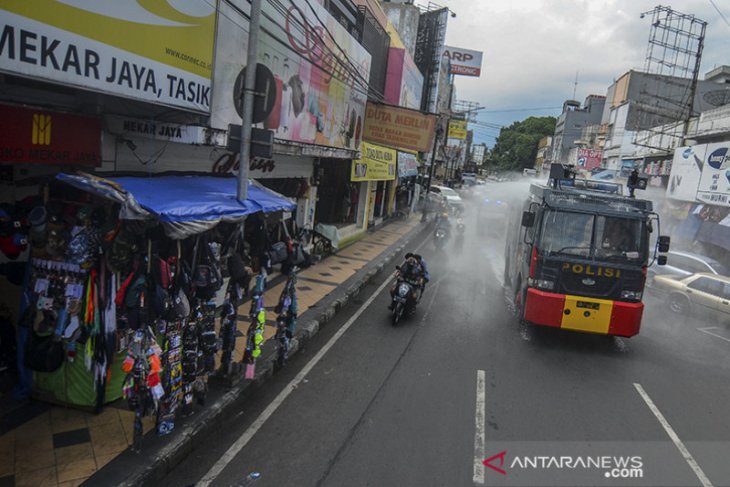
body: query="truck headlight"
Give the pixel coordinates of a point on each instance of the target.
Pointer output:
(541, 284)
(632, 295)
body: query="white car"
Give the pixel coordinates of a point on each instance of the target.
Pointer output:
(452, 197)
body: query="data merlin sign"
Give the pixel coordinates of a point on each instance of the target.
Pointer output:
(398, 127)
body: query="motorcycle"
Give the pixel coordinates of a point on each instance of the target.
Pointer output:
(439, 237)
(405, 298)
(460, 230)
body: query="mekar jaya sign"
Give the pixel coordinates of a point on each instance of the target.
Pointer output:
(155, 51)
(398, 127)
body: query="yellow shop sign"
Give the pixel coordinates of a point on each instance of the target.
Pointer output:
(377, 163)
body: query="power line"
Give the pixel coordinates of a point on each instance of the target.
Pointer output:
(721, 14)
(507, 110)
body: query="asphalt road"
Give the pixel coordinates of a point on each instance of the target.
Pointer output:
(424, 403)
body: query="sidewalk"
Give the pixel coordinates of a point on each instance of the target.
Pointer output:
(45, 445)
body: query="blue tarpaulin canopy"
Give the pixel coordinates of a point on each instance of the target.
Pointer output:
(185, 205)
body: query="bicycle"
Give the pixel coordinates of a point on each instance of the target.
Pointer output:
(286, 318)
(321, 245)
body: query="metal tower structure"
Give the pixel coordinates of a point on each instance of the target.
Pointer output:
(669, 83)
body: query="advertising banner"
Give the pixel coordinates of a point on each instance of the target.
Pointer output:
(312, 72)
(457, 129)
(714, 187)
(684, 177)
(376, 164)
(155, 51)
(464, 61)
(407, 164)
(589, 159)
(404, 82)
(42, 137)
(399, 127)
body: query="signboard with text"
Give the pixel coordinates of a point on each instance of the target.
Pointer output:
(464, 61)
(399, 127)
(43, 137)
(376, 164)
(714, 187)
(155, 51)
(457, 129)
(589, 159)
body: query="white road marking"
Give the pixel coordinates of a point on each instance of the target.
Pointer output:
(677, 442)
(479, 431)
(704, 330)
(241, 442)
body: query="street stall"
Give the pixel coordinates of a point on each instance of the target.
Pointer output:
(126, 277)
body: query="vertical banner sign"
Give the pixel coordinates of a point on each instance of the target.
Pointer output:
(714, 187)
(317, 74)
(156, 51)
(464, 61)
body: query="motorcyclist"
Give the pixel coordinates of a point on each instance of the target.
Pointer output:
(444, 223)
(412, 270)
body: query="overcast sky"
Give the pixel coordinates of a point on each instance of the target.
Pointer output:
(533, 49)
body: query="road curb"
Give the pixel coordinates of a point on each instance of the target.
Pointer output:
(176, 448)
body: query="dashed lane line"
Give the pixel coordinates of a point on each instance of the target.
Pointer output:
(674, 437)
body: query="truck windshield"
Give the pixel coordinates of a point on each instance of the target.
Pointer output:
(592, 236)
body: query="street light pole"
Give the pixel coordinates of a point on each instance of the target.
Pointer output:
(248, 90)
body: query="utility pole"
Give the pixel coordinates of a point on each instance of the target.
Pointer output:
(248, 92)
(437, 136)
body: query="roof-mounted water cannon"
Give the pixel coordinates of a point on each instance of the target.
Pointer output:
(559, 173)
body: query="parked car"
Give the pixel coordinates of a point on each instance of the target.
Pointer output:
(680, 263)
(703, 293)
(454, 200)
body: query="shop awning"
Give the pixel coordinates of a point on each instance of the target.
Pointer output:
(185, 205)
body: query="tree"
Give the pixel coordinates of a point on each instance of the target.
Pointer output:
(516, 146)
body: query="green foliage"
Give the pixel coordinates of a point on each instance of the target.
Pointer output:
(516, 146)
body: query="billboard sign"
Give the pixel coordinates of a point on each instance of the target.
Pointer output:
(156, 51)
(376, 164)
(428, 53)
(589, 159)
(457, 129)
(399, 127)
(714, 187)
(319, 74)
(43, 137)
(464, 61)
(684, 177)
(404, 82)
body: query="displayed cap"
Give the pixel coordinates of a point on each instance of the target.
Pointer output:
(12, 246)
